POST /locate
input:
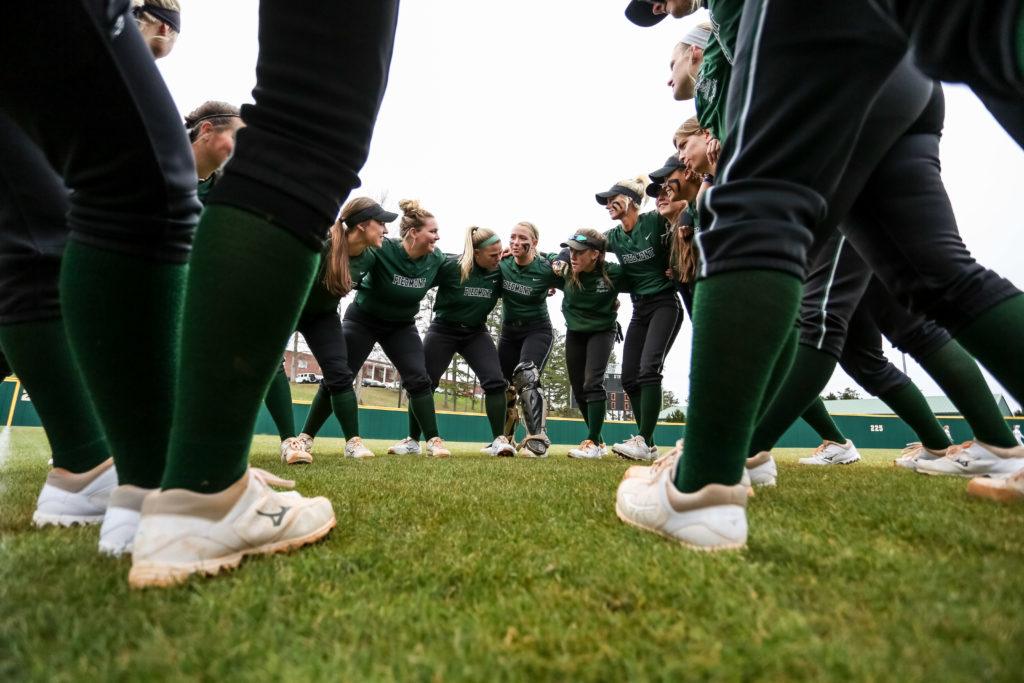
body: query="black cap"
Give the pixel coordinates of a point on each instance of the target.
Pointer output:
(603, 197)
(672, 164)
(374, 212)
(580, 242)
(642, 13)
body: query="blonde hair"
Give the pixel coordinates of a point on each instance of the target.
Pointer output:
(475, 236)
(337, 276)
(638, 185)
(573, 278)
(414, 216)
(148, 18)
(689, 128)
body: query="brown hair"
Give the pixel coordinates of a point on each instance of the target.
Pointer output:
(414, 216)
(682, 254)
(689, 128)
(474, 237)
(219, 114)
(572, 278)
(337, 276)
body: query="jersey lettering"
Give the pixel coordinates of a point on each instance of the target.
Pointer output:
(517, 288)
(477, 292)
(412, 282)
(645, 255)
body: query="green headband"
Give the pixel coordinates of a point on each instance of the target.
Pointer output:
(489, 241)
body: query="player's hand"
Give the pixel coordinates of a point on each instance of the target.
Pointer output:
(714, 151)
(558, 267)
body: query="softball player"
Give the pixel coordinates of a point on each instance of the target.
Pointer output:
(642, 242)
(591, 287)
(385, 311)
(526, 337)
(468, 289)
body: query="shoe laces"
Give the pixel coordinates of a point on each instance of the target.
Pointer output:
(270, 479)
(587, 443)
(666, 461)
(436, 442)
(911, 451)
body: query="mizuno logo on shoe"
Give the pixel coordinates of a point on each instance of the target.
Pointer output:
(275, 517)
(963, 462)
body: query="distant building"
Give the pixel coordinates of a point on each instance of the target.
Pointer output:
(297, 363)
(940, 405)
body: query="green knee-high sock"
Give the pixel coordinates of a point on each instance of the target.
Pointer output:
(494, 404)
(986, 339)
(40, 354)
(346, 409)
(279, 404)
(636, 402)
(821, 422)
(650, 400)
(243, 269)
(582, 405)
(319, 410)
(423, 409)
(112, 302)
(910, 405)
(809, 374)
(414, 425)
(958, 375)
(780, 370)
(595, 420)
(728, 374)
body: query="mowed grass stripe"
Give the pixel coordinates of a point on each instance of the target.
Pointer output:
(477, 568)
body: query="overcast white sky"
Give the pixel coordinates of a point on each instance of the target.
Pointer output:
(503, 112)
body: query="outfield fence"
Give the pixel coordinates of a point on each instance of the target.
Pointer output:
(867, 431)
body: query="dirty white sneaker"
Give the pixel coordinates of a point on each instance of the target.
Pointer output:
(355, 448)
(293, 452)
(714, 518)
(307, 442)
(67, 499)
(406, 447)
(975, 459)
(915, 452)
(832, 453)
(183, 533)
(588, 450)
(634, 448)
(762, 469)
(122, 519)
(501, 446)
(1005, 490)
(436, 449)
(648, 471)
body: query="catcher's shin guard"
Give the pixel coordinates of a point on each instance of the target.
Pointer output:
(526, 380)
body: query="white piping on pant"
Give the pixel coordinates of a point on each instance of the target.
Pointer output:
(828, 291)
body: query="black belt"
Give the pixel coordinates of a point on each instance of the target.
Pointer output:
(664, 294)
(461, 326)
(525, 323)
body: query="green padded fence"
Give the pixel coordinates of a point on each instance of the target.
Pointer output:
(867, 431)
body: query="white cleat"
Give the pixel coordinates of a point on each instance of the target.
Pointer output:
(714, 518)
(1005, 490)
(762, 470)
(122, 519)
(183, 533)
(355, 448)
(307, 442)
(501, 446)
(832, 453)
(974, 459)
(406, 447)
(588, 450)
(293, 452)
(436, 449)
(916, 452)
(648, 471)
(67, 499)
(634, 448)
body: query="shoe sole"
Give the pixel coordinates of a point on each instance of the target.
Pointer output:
(157, 576)
(677, 541)
(305, 459)
(626, 456)
(359, 457)
(439, 456)
(980, 489)
(823, 464)
(42, 519)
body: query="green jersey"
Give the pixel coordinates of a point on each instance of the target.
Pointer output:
(713, 77)
(643, 253)
(320, 299)
(204, 187)
(590, 307)
(466, 302)
(395, 284)
(524, 289)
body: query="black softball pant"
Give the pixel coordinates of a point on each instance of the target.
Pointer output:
(652, 331)
(520, 343)
(326, 339)
(443, 340)
(586, 360)
(400, 342)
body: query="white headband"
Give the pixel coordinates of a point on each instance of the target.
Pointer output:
(697, 36)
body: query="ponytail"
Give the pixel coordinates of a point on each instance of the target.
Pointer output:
(337, 275)
(475, 238)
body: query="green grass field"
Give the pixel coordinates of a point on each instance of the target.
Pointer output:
(388, 398)
(483, 569)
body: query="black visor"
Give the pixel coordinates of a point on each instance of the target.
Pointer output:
(672, 164)
(374, 212)
(580, 243)
(603, 197)
(642, 13)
